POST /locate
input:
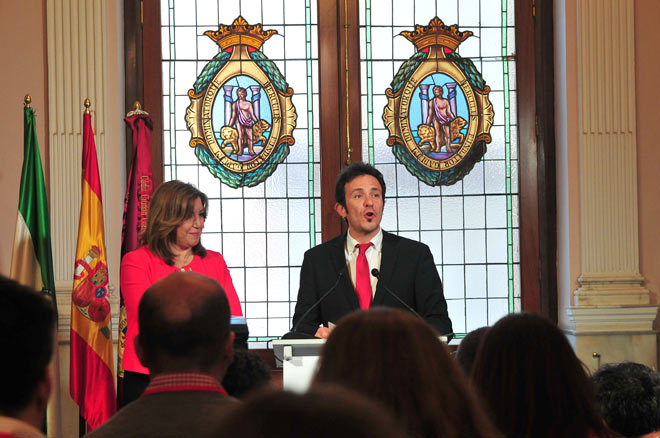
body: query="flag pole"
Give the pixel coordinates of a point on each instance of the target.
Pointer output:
(82, 424)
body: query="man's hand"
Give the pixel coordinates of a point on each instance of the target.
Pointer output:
(322, 332)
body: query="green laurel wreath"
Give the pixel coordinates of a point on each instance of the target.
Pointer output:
(437, 177)
(255, 177)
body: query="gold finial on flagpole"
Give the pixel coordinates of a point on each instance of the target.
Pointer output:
(28, 100)
(137, 110)
(88, 103)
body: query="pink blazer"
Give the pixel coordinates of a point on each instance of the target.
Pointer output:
(141, 268)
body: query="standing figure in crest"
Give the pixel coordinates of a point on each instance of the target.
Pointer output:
(242, 114)
(441, 116)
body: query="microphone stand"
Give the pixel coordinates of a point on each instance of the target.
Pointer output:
(376, 273)
(294, 334)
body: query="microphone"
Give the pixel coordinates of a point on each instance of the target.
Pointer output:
(294, 334)
(376, 273)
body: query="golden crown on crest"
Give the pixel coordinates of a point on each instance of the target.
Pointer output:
(240, 32)
(436, 34)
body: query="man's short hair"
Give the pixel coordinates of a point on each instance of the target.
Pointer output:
(27, 332)
(199, 337)
(350, 173)
(628, 395)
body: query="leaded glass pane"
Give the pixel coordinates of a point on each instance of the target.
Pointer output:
(472, 225)
(253, 227)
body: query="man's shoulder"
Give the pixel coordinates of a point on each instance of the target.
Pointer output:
(401, 241)
(328, 245)
(182, 409)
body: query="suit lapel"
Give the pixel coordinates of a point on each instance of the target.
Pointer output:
(345, 286)
(387, 263)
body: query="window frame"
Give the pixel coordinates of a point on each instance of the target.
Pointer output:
(535, 86)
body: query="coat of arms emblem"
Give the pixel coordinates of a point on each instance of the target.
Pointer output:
(241, 116)
(438, 113)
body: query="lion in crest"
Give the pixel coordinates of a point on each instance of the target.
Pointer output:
(229, 135)
(426, 133)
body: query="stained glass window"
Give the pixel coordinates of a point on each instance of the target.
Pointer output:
(262, 231)
(471, 226)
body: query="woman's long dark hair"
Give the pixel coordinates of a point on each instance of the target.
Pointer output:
(533, 383)
(397, 359)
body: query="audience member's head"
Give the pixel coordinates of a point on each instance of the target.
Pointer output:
(247, 373)
(323, 412)
(184, 326)
(27, 324)
(532, 381)
(628, 395)
(397, 359)
(467, 349)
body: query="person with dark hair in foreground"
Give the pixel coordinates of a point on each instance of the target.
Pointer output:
(628, 395)
(323, 412)
(395, 358)
(27, 324)
(248, 372)
(533, 383)
(344, 266)
(186, 344)
(467, 349)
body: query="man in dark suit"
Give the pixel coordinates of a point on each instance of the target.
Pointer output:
(186, 343)
(346, 262)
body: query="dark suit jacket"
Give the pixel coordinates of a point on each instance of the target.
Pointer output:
(406, 268)
(168, 414)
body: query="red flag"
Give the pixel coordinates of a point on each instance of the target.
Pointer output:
(91, 380)
(136, 208)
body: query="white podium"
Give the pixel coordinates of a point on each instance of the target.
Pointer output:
(299, 360)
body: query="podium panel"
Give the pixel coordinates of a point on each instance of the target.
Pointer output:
(299, 360)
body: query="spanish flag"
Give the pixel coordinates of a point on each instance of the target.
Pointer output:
(91, 380)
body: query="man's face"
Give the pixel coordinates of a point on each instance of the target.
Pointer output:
(437, 91)
(364, 207)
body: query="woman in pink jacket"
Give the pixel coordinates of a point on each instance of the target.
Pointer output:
(171, 243)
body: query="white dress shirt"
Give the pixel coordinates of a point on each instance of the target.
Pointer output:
(373, 255)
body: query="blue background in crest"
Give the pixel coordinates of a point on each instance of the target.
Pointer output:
(415, 113)
(218, 112)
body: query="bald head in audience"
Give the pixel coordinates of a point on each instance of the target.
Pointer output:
(186, 343)
(184, 326)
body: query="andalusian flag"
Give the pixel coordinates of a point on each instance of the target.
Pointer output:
(91, 381)
(32, 257)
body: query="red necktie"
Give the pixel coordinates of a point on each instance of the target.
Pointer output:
(362, 276)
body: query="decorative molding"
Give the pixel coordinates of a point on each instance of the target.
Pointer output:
(607, 320)
(77, 65)
(610, 290)
(608, 156)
